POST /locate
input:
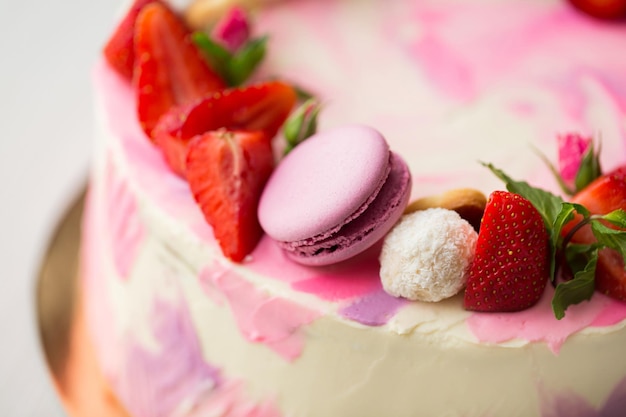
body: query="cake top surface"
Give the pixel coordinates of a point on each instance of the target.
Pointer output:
(445, 94)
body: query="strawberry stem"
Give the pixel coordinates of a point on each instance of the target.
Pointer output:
(575, 229)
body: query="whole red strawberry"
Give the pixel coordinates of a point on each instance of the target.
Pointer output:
(169, 70)
(602, 196)
(511, 266)
(602, 9)
(227, 171)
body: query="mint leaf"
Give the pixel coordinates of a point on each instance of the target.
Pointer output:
(246, 60)
(218, 57)
(611, 238)
(577, 290)
(568, 210)
(616, 217)
(578, 254)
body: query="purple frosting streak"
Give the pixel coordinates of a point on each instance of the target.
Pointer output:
(374, 309)
(572, 405)
(157, 383)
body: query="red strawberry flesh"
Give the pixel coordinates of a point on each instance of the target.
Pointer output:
(510, 269)
(262, 107)
(227, 171)
(607, 193)
(169, 70)
(119, 50)
(602, 9)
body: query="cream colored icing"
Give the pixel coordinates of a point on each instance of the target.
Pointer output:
(300, 341)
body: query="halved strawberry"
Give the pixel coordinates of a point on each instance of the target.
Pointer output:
(602, 9)
(227, 171)
(511, 266)
(119, 50)
(602, 196)
(262, 107)
(169, 69)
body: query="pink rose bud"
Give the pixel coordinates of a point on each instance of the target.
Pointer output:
(233, 30)
(572, 148)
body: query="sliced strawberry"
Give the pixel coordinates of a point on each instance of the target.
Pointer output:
(227, 171)
(511, 266)
(169, 68)
(604, 195)
(119, 50)
(602, 9)
(262, 107)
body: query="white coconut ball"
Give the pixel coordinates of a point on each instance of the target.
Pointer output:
(427, 255)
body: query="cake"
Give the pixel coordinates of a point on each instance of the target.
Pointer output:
(181, 330)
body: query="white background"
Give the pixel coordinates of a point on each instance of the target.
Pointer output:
(47, 49)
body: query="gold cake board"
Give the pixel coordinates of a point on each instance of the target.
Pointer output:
(68, 350)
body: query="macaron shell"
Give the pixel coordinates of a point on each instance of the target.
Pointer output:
(322, 182)
(364, 231)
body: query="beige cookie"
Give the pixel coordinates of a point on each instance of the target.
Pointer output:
(203, 13)
(468, 202)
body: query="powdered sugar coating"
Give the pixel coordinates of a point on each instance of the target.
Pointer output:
(426, 257)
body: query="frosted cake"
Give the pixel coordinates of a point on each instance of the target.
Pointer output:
(181, 329)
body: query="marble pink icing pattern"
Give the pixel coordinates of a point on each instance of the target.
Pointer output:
(538, 324)
(354, 284)
(273, 321)
(126, 231)
(185, 384)
(148, 168)
(466, 59)
(170, 377)
(226, 402)
(98, 310)
(544, 47)
(173, 379)
(465, 62)
(568, 404)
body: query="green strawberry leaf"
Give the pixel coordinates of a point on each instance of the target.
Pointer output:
(589, 168)
(236, 68)
(577, 290)
(301, 125)
(218, 57)
(303, 95)
(246, 60)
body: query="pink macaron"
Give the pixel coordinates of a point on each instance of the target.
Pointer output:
(335, 195)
